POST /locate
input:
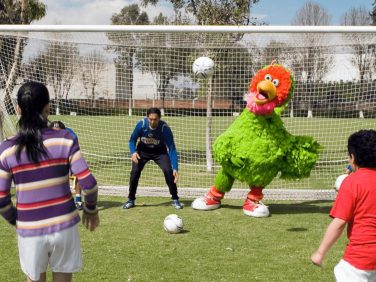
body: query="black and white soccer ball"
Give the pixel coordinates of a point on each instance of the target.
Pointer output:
(203, 67)
(173, 224)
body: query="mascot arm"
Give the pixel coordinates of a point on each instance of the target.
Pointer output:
(236, 161)
(300, 158)
(225, 152)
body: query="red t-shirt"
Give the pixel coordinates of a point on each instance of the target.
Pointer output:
(356, 204)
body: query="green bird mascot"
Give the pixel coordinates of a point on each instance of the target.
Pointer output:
(256, 146)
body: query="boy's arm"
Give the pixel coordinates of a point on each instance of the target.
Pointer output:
(134, 136)
(333, 232)
(169, 140)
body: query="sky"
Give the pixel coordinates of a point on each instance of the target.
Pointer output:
(274, 12)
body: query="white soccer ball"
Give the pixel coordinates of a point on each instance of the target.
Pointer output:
(339, 181)
(203, 67)
(173, 224)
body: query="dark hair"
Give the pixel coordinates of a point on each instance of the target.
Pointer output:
(362, 145)
(154, 111)
(57, 124)
(32, 97)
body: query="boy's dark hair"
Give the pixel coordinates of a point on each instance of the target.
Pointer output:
(362, 145)
(154, 111)
(32, 97)
(57, 124)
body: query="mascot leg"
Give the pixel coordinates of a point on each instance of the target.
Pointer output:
(252, 205)
(212, 199)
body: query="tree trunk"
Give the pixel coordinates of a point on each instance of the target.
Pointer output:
(92, 95)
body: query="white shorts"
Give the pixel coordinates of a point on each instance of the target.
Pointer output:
(61, 250)
(345, 272)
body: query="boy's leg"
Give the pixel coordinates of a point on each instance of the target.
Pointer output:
(62, 277)
(135, 175)
(164, 162)
(42, 278)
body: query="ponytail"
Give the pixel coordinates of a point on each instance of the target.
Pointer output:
(32, 98)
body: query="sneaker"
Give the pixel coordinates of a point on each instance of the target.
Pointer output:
(176, 204)
(206, 203)
(129, 204)
(79, 205)
(255, 209)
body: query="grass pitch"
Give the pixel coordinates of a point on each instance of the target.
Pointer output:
(220, 245)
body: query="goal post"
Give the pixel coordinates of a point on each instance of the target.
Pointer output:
(102, 79)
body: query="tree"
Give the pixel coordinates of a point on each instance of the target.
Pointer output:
(125, 49)
(15, 12)
(363, 57)
(373, 13)
(208, 12)
(164, 60)
(57, 66)
(91, 69)
(21, 12)
(313, 59)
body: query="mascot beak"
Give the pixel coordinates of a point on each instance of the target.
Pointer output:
(266, 92)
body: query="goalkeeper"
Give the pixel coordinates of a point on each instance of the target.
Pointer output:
(152, 139)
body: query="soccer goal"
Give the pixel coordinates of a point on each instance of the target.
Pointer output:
(102, 79)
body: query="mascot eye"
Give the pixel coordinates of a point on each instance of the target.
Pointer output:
(275, 82)
(268, 77)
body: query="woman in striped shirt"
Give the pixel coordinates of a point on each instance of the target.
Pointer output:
(38, 160)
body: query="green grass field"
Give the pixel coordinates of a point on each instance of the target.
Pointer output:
(104, 142)
(220, 245)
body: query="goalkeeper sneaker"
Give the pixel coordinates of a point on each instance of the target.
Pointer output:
(128, 204)
(176, 204)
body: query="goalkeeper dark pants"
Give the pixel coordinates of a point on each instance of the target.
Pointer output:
(163, 161)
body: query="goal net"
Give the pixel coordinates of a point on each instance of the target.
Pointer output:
(102, 81)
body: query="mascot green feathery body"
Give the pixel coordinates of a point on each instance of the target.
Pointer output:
(256, 146)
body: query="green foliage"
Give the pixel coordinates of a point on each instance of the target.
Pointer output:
(130, 15)
(221, 245)
(10, 11)
(209, 12)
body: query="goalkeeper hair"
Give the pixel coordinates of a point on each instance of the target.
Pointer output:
(154, 111)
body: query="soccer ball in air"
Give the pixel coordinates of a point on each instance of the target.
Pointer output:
(339, 181)
(203, 67)
(173, 224)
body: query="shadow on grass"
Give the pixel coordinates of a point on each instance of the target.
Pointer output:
(301, 207)
(297, 229)
(318, 206)
(103, 205)
(291, 208)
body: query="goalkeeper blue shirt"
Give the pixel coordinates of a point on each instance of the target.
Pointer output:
(155, 141)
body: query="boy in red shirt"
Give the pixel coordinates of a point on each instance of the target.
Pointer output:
(355, 206)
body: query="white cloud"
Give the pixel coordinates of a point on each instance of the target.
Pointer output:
(92, 12)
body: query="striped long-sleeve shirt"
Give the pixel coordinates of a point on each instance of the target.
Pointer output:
(44, 200)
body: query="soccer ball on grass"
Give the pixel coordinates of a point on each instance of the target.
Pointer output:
(173, 224)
